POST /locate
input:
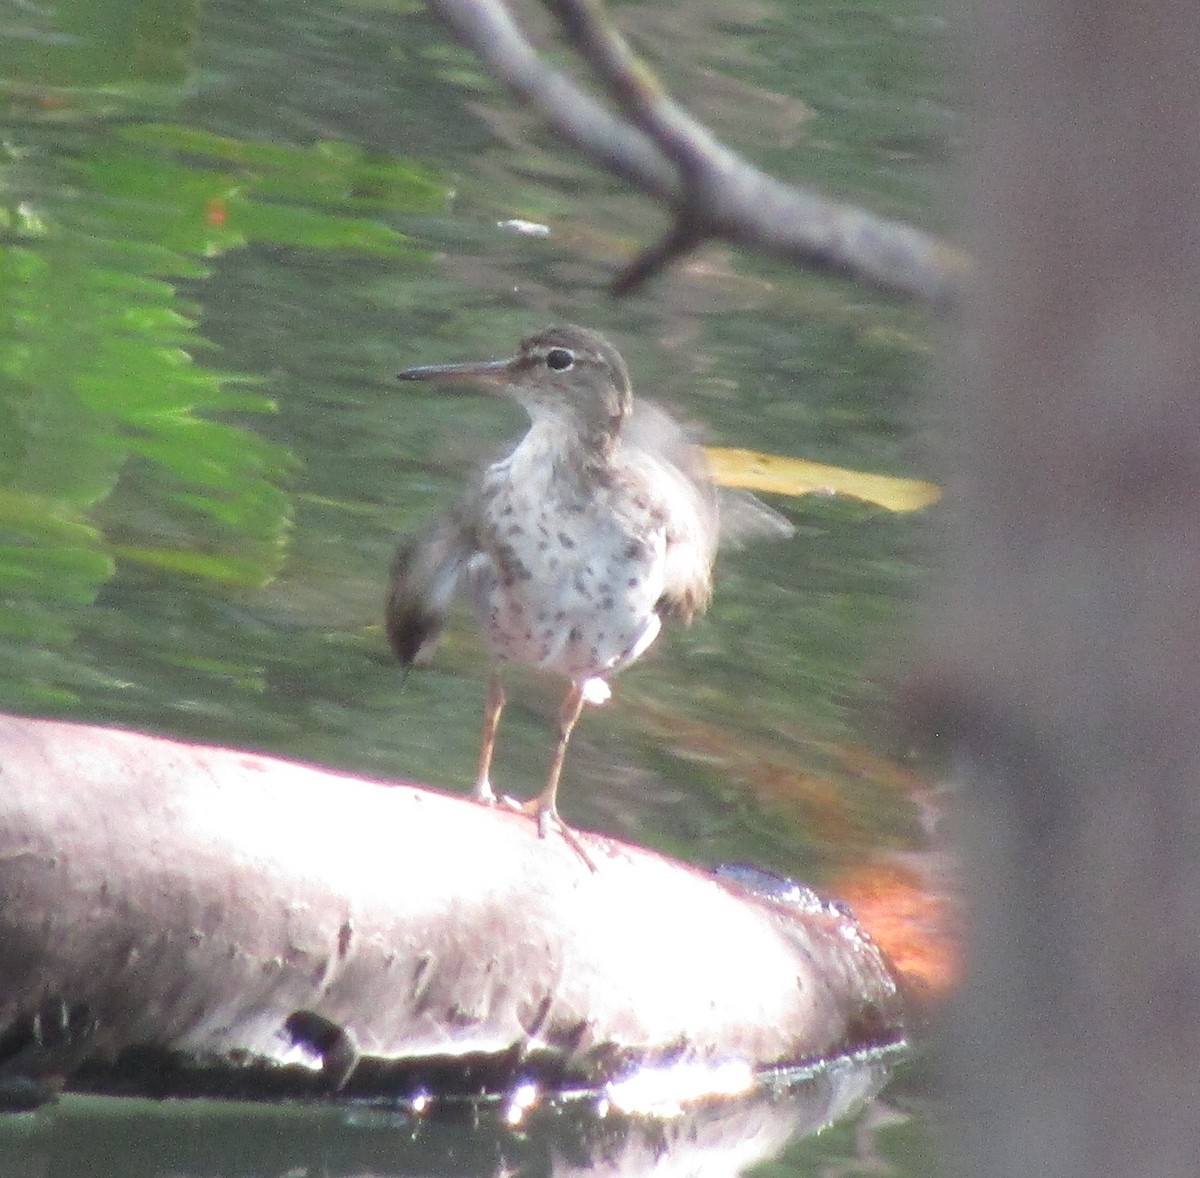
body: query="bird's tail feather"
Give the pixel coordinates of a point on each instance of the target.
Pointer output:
(425, 576)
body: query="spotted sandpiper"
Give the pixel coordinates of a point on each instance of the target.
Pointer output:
(573, 549)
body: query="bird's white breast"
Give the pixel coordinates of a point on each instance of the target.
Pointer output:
(565, 581)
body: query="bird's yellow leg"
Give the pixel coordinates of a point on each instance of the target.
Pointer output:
(491, 723)
(545, 806)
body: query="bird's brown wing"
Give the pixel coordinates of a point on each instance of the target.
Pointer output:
(679, 481)
(690, 548)
(705, 515)
(425, 575)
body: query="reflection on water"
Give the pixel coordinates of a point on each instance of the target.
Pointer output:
(138, 1139)
(223, 239)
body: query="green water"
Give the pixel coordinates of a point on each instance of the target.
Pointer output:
(225, 228)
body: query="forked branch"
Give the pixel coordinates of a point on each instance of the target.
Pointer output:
(711, 192)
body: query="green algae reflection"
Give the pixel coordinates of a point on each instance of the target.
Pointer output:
(121, 437)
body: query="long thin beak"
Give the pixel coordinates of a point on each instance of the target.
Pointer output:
(493, 372)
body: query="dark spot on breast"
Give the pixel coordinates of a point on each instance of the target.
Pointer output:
(634, 550)
(565, 540)
(575, 634)
(543, 545)
(515, 530)
(511, 567)
(508, 509)
(606, 603)
(633, 582)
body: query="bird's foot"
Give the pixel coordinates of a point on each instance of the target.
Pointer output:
(484, 794)
(595, 691)
(548, 822)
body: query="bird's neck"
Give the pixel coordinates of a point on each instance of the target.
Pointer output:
(585, 441)
(569, 448)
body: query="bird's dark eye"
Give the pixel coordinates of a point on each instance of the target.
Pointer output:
(559, 359)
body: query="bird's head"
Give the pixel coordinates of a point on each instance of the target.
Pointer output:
(568, 375)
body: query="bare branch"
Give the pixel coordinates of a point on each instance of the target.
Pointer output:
(486, 28)
(711, 191)
(677, 242)
(635, 90)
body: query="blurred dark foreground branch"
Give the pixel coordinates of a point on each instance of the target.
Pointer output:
(711, 192)
(1068, 629)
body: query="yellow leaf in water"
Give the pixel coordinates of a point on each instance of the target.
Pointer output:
(778, 475)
